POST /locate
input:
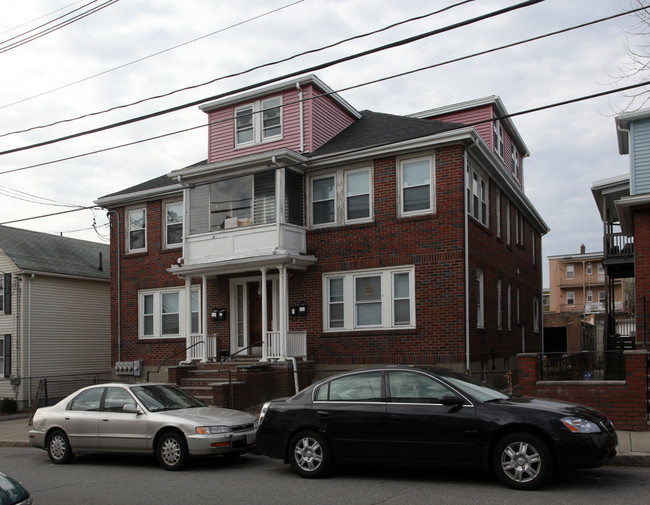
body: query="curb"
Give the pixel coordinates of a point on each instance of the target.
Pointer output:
(638, 459)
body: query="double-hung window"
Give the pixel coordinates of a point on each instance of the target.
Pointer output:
(2, 294)
(377, 299)
(258, 122)
(515, 161)
(570, 298)
(137, 229)
(353, 204)
(498, 138)
(499, 304)
(536, 314)
(478, 190)
(173, 224)
(162, 313)
(417, 185)
(5, 356)
(570, 270)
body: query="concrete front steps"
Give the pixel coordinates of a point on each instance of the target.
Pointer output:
(242, 382)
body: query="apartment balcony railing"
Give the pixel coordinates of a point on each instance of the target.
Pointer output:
(294, 345)
(618, 246)
(244, 241)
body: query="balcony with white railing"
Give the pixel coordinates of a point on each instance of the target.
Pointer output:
(244, 242)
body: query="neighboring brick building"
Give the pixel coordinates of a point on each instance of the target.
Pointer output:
(342, 236)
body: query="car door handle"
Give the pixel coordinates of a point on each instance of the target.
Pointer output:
(323, 413)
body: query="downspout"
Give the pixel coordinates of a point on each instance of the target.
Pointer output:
(29, 332)
(119, 289)
(466, 254)
(302, 119)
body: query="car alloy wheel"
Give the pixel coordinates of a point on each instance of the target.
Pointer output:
(522, 461)
(171, 451)
(58, 448)
(310, 455)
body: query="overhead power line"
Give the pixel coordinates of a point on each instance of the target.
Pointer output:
(348, 88)
(236, 74)
(132, 63)
(54, 28)
(40, 17)
(267, 82)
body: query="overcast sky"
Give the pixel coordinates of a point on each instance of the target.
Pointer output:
(135, 49)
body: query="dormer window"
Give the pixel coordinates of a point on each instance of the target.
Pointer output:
(258, 122)
(498, 138)
(515, 162)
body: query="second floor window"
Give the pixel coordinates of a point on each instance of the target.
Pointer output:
(570, 271)
(258, 122)
(478, 204)
(417, 186)
(570, 298)
(174, 224)
(137, 229)
(352, 204)
(243, 201)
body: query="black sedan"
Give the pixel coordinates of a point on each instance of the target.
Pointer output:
(405, 415)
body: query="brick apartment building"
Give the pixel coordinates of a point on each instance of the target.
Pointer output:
(345, 237)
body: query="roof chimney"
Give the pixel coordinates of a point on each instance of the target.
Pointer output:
(582, 249)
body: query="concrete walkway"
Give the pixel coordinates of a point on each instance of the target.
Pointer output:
(633, 448)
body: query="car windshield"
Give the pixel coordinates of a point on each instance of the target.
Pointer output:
(161, 397)
(11, 491)
(477, 389)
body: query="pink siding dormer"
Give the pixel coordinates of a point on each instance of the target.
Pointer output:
(311, 114)
(480, 114)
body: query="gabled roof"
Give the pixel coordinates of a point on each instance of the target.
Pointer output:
(623, 123)
(35, 252)
(376, 129)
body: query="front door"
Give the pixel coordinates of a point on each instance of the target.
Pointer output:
(246, 321)
(255, 315)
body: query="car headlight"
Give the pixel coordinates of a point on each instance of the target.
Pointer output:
(578, 425)
(212, 430)
(265, 408)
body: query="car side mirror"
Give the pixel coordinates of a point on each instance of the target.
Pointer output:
(452, 400)
(132, 408)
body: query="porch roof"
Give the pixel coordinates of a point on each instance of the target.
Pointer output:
(247, 264)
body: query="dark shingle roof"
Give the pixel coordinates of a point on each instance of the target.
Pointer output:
(375, 128)
(42, 252)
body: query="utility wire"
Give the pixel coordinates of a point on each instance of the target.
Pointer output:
(321, 66)
(57, 27)
(367, 83)
(212, 81)
(131, 63)
(40, 17)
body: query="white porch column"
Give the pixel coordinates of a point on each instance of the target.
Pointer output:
(204, 316)
(188, 318)
(284, 311)
(264, 316)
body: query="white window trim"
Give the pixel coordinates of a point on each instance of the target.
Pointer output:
(165, 224)
(482, 213)
(508, 230)
(128, 229)
(387, 299)
(432, 186)
(157, 312)
(590, 269)
(590, 296)
(2, 293)
(3, 357)
(340, 196)
(535, 314)
(498, 212)
(515, 161)
(257, 112)
(572, 297)
(498, 138)
(509, 295)
(570, 271)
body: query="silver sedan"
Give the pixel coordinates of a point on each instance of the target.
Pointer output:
(140, 418)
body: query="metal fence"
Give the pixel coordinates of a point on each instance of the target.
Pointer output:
(45, 391)
(586, 365)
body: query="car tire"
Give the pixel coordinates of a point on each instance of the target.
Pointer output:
(58, 448)
(310, 455)
(171, 451)
(522, 461)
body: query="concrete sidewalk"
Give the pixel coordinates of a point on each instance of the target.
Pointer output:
(633, 446)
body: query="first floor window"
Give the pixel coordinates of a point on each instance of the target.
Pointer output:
(509, 308)
(2, 294)
(5, 355)
(590, 295)
(137, 227)
(379, 299)
(499, 304)
(536, 314)
(601, 297)
(163, 313)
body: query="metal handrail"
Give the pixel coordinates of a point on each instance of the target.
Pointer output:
(172, 355)
(230, 356)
